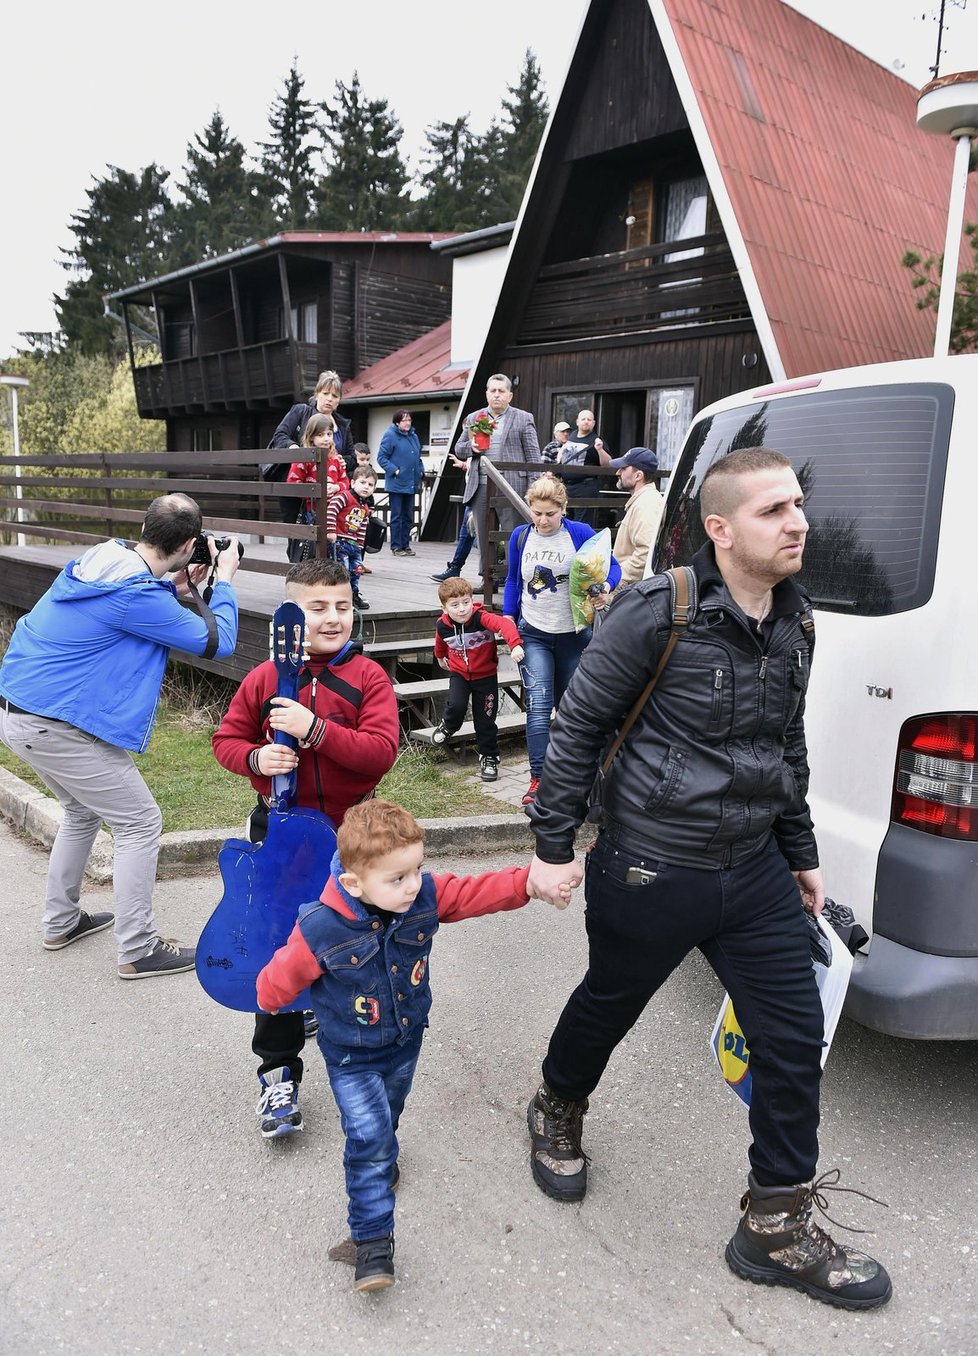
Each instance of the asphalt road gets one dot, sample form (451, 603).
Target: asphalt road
(141, 1212)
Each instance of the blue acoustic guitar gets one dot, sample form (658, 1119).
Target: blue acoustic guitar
(266, 883)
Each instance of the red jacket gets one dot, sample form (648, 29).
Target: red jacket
(304, 473)
(294, 966)
(351, 747)
(471, 646)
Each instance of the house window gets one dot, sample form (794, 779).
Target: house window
(567, 405)
(685, 214)
(684, 218)
(304, 323)
(206, 440)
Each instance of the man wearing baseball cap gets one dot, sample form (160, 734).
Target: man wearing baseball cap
(637, 529)
(561, 430)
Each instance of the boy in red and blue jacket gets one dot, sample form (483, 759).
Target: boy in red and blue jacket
(465, 645)
(346, 723)
(363, 948)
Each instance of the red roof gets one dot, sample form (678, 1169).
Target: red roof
(821, 178)
(420, 368)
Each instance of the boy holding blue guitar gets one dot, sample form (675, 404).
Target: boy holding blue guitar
(344, 717)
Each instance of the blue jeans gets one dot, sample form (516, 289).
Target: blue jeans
(370, 1095)
(747, 921)
(549, 662)
(464, 542)
(401, 520)
(349, 555)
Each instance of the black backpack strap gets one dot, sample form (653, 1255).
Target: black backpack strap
(682, 588)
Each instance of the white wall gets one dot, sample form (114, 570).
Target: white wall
(476, 282)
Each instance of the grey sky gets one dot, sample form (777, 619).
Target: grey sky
(114, 85)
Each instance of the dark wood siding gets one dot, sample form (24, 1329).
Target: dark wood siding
(343, 356)
(714, 364)
(627, 94)
(391, 311)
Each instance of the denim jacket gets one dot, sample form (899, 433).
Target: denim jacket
(375, 989)
(369, 984)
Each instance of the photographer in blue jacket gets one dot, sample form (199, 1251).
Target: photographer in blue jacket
(79, 687)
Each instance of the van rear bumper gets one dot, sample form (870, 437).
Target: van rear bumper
(908, 993)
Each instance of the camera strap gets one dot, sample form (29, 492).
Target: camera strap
(213, 640)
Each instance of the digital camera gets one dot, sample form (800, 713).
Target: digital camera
(202, 555)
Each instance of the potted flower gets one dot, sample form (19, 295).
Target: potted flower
(481, 430)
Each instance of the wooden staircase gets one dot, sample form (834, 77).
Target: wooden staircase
(421, 688)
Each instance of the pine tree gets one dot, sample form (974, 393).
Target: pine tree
(223, 206)
(287, 160)
(122, 238)
(927, 283)
(365, 177)
(459, 178)
(526, 118)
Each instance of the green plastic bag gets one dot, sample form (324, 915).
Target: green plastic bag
(588, 574)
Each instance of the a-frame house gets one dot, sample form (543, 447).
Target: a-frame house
(722, 197)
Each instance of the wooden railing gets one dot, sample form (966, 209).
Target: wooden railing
(111, 500)
(635, 291)
(254, 372)
(500, 489)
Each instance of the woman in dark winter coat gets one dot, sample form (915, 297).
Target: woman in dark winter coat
(325, 398)
(399, 457)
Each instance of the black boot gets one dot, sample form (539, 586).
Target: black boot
(778, 1243)
(453, 572)
(375, 1264)
(360, 603)
(558, 1162)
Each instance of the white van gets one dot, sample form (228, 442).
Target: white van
(887, 457)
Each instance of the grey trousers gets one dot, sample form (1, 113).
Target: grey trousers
(508, 517)
(95, 783)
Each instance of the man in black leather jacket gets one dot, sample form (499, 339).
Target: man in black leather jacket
(707, 843)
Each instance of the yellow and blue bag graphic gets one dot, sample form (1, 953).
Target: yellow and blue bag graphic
(728, 1042)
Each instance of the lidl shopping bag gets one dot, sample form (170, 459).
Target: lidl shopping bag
(730, 1050)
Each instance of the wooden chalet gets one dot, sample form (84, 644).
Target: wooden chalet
(722, 197)
(244, 336)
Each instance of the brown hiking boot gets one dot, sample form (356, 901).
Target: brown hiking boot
(558, 1162)
(778, 1243)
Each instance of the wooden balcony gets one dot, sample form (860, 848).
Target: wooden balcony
(635, 291)
(252, 377)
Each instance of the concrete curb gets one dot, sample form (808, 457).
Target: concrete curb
(40, 816)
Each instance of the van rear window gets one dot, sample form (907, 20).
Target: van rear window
(871, 464)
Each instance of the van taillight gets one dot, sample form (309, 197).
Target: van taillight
(936, 784)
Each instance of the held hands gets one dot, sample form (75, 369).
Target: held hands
(602, 599)
(553, 883)
(812, 890)
(290, 717)
(517, 652)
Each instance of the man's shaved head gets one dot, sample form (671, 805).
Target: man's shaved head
(722, 491)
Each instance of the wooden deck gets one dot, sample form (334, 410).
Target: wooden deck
(402, 596)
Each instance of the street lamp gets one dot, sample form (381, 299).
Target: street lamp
(949, 107)
(15, 383)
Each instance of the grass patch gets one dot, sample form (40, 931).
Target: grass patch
(421, 781)
(194, 792)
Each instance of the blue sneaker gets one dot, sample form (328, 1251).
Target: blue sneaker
(278, 1108)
